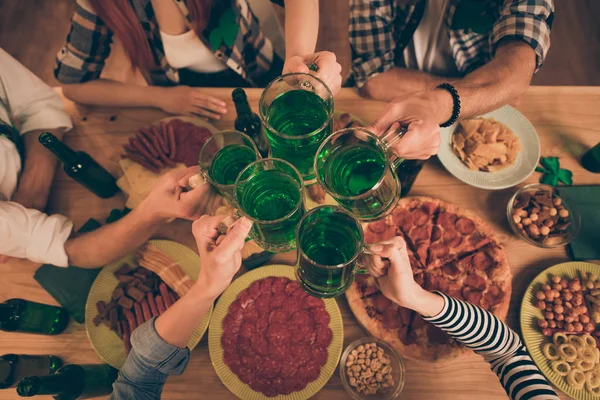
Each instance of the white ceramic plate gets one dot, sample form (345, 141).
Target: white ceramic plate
(524, 165)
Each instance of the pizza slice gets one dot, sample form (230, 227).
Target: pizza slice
(455, 234)
(414, 218)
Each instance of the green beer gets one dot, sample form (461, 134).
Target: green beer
(229, 161)
(329, 242)
(297, 111)
(354, 170)
(269, 192)
(71, 382)
(17, 315)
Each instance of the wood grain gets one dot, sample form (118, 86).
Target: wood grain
(566, 119)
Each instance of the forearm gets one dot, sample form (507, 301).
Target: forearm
(178, 323)
(397, 82)
(38, 171)
(113, 241)
(301, 27)
(500, 346)
(103, 92)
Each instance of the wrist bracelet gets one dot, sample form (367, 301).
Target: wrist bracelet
(455, 106)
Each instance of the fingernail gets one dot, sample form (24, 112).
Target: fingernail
(376, 247)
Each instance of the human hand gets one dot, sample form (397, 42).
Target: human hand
(30, 198)
(416, 111)
(192, 101)
(169, 198)
(4, 259)
(221, 255)
(329, 69)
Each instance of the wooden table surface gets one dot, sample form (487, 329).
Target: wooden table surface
(567, 120)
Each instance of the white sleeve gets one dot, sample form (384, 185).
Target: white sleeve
(32, 103)
(31, 234)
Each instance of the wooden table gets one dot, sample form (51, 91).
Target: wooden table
(567, 120)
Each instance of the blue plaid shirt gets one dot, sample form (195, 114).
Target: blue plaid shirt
(378, 30)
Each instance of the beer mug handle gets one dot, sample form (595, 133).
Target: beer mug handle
(361, 266)
(391, 137)
(228, 223)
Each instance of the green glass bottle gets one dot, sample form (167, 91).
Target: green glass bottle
(248, 122)
(71, 382)
(81, 167)
(591, 159)
(407, 174)
(14, 367)
(17, 315)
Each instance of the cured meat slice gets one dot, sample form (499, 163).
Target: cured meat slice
(260, 344)
(277, 300)
(436, 233)
(268, 368)
(266, 284)
(402, 218)
(438, 251)
(472, 295)
(321, 316)
(309, 372)
(251, 315)
(320, 355)
(232, 323)
(279, 335)
(245, 299)
(288, 368)
(465, 226)
(261, 384)
(324, 336)
(278, 317)
(302, 318)
(378, 227)
(247, 330)
(451, 270)
(254, 290)
(452, 238)
(381, 302)
(390, 232)
(419, 234)
(281, 353)
(446, 220)
(372, 237)
(305, 334)
(229, 340)
(313, 302)
(482, 261)
(291, 305)
(476, 281)
(301, 352)
(279, 284)
(291, 287)
(263, 303)
(494, 296)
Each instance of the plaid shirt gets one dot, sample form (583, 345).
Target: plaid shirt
(82, 58)
(376, 31)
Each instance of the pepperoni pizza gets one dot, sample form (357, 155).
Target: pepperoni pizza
(276, 336)
(450, 250)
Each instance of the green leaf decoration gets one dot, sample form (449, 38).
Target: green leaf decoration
(549, 179)
(565, 176)
(226, 32)
(550, 163)
(552, 173)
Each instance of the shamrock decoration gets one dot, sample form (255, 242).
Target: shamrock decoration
(472, 15)
(553, 173)
(226, 32)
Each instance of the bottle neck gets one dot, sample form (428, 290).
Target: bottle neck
(60, 150)
(39, 385)
(242, 107)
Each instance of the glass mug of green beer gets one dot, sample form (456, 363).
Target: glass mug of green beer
(269, 192)
(223, 157)
(358, 169)
(330, 246)
(297, 111)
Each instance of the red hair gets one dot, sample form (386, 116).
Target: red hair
(120, 17)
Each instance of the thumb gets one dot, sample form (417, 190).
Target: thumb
(236, 237)
(391, 113)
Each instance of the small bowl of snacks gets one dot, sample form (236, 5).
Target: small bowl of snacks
(372, 369)
(543, 216)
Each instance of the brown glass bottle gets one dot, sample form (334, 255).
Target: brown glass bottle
(407, 173)
(249, 122)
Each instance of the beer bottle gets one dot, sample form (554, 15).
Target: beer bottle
(71, 382)
(407, 173)
(591, 159)
(81, 167)
(17, 315)
(14, 367)
(248, 122)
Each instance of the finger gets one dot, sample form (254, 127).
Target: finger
(200, 95)
(393, 112)
(203, 112)
(179, 173)
(236, 237)
(192, 200)
(302, 68)
(205, 231)
(189, 172)
(210, 106)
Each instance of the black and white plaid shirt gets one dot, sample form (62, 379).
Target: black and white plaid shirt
(381, 29)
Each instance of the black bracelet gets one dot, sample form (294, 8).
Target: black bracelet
(456, 103)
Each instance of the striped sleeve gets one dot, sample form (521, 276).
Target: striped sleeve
(499, 345)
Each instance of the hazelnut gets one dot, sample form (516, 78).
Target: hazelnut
(534, 230)
(545, 231)
(578, 326)
(540, 295)
(557, 201)
(559, 309)
(534, 217)
(564, 213)
(569, 328)
(526, 221)
(553, 211)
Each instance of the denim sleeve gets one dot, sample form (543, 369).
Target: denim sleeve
(148, 364)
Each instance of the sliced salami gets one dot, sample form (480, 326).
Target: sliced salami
(263, 303)
(302, 318)
(277, 299)
(452, 238)
(465, 226)
(268, 368)
(251, 315)
(288, 368)
(262, 324)
(320, 355)
(278, 317)
(304, 335)
(446, 220)
(279, 335)
(419, 234)
(229, 341)
(291, 287)
(247, 330)
(301, 352)
(482, 261)
(266, 284)
(279, 284)
(378, 227)
(324, 336)
(291, 305)
(254, 290)
(321, 316)
(419, 217)
(260, 344)
(309, 372)
(436, 233)
(401, 217)
(314, 302)
(232, 323)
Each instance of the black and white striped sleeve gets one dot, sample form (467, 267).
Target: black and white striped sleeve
(499, 345)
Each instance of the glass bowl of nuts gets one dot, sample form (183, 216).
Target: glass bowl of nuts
(543, 216)
(372, 369)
